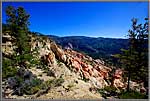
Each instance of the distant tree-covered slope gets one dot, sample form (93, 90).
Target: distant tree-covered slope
(94, 47)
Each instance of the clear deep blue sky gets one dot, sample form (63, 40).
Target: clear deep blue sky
(95, 19)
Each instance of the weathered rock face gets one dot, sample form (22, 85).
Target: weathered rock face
(88, 67)
(117, 79)
(51, 58)
(58, 52)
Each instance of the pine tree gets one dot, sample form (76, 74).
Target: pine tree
(17, 20)
(135, 58)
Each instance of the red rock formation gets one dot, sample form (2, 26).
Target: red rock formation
(91, 72)
(76, 65)
(104, 74)
(86, 74)
(118, 74)
(79, 55)
(81, 63)
(117, 79)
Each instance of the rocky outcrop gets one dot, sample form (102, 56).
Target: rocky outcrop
(58, 52)
(82, 64)
(50, 58)
(88, 67)
(117, 79)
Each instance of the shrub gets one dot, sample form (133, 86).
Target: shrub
(33, 87)
(36, 81)
(132, 95)
(8, 69)
(102, 92)
(70, 86)
(51, 83)
(58, 82)
(108, 91)
(50, 73)
(19, 80)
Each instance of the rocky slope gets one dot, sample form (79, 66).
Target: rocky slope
(72, 75)
(95, 47)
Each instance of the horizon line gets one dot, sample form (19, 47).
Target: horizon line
(84, 36)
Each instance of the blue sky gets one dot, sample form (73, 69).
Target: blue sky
(94, 19)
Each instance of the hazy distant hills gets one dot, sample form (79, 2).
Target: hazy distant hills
(96, 47)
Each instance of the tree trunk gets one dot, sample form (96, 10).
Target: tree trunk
(128, 86)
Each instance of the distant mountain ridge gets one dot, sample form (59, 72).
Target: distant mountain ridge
(96, 47)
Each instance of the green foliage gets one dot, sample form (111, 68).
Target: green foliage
(5, 28)
(101, 91)
(8, 69)
(19, 80)
(111, 91)
(17, 22)
(31, 90)
(50, 73)
(33, 87)
(36, 81)
(70, 86)
(38, 85)
(132, 95)
(108, 91)
(58, 82)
